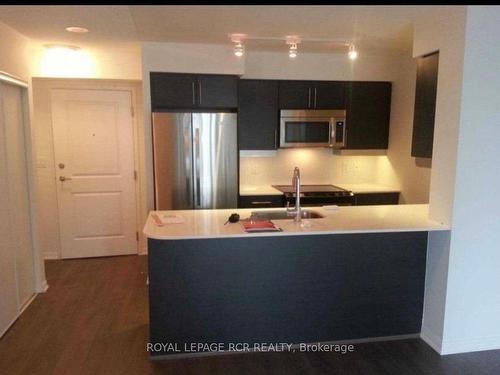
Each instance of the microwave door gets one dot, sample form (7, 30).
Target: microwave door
(305, 132)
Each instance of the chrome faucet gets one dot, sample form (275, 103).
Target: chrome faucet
(296, 187)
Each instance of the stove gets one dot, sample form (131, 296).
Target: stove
(318, 195)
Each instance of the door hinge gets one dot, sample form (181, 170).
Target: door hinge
(135, 175)
(137, 236)
(132, 111)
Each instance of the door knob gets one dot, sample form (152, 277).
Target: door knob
(62, 178)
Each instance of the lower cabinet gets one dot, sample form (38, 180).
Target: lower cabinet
(366, 199)
(261, 201)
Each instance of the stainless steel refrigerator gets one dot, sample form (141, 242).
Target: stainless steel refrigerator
(195, 160)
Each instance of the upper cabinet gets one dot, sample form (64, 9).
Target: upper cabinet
(258, 114)
(425, 106)
(193, 91)
(311, 95)
(368, 106)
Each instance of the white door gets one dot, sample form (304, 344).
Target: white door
(94, 161)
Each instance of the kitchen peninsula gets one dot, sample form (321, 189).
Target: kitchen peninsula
(356, 273)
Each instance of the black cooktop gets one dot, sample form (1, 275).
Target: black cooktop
(314, 190)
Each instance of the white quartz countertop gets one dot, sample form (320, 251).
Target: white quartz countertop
(200, 224)
(368, 188)
(259, 190)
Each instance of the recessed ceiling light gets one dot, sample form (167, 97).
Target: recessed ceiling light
(77, 29)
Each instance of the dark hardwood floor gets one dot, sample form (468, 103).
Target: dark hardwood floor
(94, 320)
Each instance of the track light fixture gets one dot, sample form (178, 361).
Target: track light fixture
(238, 49)
(292, 41)
(353, 54)
(292, 51)
(237, 39)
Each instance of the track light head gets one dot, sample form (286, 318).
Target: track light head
(353, 54)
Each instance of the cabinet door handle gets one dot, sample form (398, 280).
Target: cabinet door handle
(192, 89)
(275, 138)
(309, 100)
(315, 97)
(199, 90)
(261, 202)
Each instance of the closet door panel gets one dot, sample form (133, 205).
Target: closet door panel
(18, 187)
(8, 290)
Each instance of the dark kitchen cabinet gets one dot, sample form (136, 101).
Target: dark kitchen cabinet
(365, 199)
(295, 95)
(368, 106)
(425, 106)
(193, 91)
(261, 201)
(172, 90)
(311, 95)
(258, 116)
(217, 91)
(329, 95)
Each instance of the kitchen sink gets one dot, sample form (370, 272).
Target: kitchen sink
(283, 215)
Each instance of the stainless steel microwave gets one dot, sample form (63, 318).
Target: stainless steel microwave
(312, 128)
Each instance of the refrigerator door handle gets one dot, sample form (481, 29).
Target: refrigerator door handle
(197, 182)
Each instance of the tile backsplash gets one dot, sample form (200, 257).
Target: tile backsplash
(317, 166)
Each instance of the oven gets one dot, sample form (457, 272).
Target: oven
(312, 128)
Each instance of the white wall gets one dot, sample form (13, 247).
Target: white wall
(15, 52)
(443, 30)
(121, 61)
(472, 318)
(462, 299)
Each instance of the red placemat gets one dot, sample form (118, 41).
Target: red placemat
(252, 226)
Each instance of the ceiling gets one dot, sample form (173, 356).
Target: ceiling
(387, 28)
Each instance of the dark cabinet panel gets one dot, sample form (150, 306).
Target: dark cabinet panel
(365, 199)
(425, 106)
(368, 107)
(311, 95)
(329, 95)
(172, 90)
(193, 91)
(295, 94)
(261, 201)
(258, 114)
(217, 91)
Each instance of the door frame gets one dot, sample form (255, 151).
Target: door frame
(134, 87)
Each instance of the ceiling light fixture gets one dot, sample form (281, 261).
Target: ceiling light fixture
(238, 49)
(292, 51)
(238, 46)
(353, 54)
(292, 42)
(77, 29)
